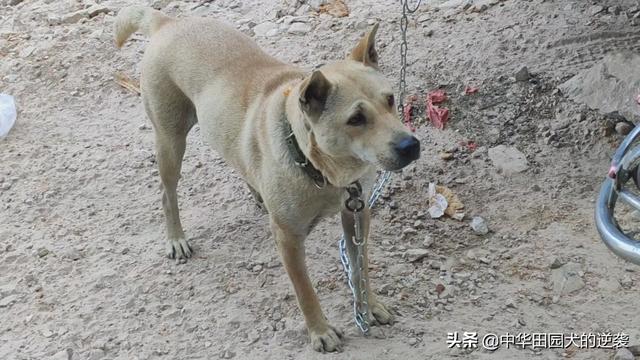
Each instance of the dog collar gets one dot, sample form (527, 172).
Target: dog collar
(319, 180)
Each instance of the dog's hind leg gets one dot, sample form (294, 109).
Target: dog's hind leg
(172, 119)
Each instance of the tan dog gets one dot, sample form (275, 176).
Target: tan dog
(253, 109)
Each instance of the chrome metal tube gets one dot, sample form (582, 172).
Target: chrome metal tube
(623, 246)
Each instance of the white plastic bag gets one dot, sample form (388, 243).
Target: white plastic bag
(7, 114)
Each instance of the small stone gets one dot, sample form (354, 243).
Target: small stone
(97, 9)
(418, 224)
(623, 354)
(208, 344)
(508, 159)
(567, 279)
(62, 355)
(523, 74)
(74, 17)
(414, 255)
(42, 252)
(446, 156)
(7, 301)
(265, 28)
(623, 128)
(428, 241)
(595, 10)
(299, 28)
(257, 268)
(412, 341)
(556, 263)
(409, 231)
(14, 2)
(228, 354)
(479, 225)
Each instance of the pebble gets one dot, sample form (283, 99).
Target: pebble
(412, 341)
(74, 17)
(508, 159)
(595, 10)
(479, 225)
(97, 9)
(446, 156)
(414, 255)
(42, 252)
(299, 28)
(265, 29)
(623, 354)
(8, 301)
(567, 279)
(62, 355)
(522, 74)
(428, 241)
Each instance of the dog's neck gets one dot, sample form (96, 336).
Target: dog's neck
(339, 171)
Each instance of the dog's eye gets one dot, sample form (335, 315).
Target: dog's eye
(390, 100)
(357, 119)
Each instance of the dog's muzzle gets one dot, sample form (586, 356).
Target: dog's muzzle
(407, 149)
(624, 167)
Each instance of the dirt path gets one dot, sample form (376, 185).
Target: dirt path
(81, 229)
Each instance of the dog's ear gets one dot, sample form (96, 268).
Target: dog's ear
(314, 93)
(365, 52)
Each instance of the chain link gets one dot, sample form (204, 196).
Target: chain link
(360, 298)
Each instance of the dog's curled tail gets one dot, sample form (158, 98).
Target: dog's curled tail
(133, 18)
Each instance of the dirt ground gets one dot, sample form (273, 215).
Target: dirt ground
(82, 269)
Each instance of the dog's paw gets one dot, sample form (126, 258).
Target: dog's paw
(382, 315)
(328, 340)
(178, 249)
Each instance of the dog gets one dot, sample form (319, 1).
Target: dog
(298, 139)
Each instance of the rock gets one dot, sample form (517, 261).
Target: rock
(299, 28)
(610, 85)
(400, 269)
(595, 10)
(428, 241)
(265, 29)
(14, 2)
(479, 226)
(523, 74)
(508, 159)
(228, 354)
(63, 355)
(7, 301)
(414, 255)
(97, 9)
(567, 279)
(446, 156)
(74, 17)
(623, 128)
(42, 252)
(623, 354)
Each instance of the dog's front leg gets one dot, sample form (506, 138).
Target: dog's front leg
(324, 337)
(378, 312)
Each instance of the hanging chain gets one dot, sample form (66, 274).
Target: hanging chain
(355, 204)
(404, 24)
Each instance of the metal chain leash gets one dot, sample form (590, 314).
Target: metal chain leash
(355, 203)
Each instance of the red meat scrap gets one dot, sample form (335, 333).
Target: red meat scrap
(437, 115)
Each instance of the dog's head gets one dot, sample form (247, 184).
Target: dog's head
(350, 110)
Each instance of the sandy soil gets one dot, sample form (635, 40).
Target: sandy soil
(82, 271)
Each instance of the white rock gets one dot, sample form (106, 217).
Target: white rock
(567, 279)
(508, 159)
(74, 17)
(97, 9)
(299, 28)
(479, 226)
(414, 255)
(264, 28)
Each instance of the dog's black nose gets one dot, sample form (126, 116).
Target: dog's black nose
(408, 148)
